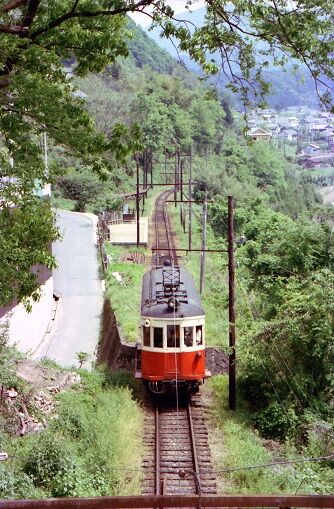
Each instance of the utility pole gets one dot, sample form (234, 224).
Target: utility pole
(203, 253)
(175, 179)
(137, 203)
(190, 200)
(183, 210)
(151, 168)
(165, 163)
(231, 305)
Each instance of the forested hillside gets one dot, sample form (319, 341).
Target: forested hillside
(293, 87)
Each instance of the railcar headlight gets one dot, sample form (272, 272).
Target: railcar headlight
(172, 303)
(147, 322)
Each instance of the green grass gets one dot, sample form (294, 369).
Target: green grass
(322, 172)
(235, 444)
(92, 448)
(125, 296)
(58, 202)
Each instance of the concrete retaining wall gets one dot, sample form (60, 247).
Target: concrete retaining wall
(27, 330)
(118, 354)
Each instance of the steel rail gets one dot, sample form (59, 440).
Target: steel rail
(194, 452)
(157, 452)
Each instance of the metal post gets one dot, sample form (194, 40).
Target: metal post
(231, 306)
(181, 180)
(151, 168)
(190, 200)
(137, 203)
(203, 253)
(175, 178)
(165, 167)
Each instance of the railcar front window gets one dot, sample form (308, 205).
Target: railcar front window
(188, 336)
(158, 337)
(173, 336)
(199, 335)
(147, 336)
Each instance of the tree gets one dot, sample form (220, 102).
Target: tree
(246, 37)
(82, 358)
(287, 367)
(36, 96)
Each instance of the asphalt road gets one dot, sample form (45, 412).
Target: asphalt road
(76, 281)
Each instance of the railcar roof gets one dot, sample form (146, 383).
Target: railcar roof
(156, 292)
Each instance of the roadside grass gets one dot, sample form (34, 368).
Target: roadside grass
(58, 202)
(125, 296)
(91, 448)
(237, 450)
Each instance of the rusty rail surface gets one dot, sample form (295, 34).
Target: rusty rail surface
(156, 501)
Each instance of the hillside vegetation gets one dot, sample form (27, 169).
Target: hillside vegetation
(288, 255)
(285, 269)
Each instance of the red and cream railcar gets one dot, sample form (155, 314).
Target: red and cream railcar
(172, 331)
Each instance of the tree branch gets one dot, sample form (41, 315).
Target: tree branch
(89, 14)
(23, 31)
(13, 5)
(31, 12)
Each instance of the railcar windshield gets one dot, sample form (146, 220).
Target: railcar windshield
(188, 336)
(199, 335)
(173, 336)
(158, 337)
(147, 336)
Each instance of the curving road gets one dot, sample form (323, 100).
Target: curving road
(77, 283)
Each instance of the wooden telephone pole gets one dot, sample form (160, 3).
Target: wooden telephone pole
(231, 305)
(137, 203)
(203, 253)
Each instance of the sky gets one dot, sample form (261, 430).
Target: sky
(177, 5)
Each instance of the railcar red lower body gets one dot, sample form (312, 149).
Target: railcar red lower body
(166, 366)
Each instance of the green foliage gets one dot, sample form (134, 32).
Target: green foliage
(144, 52)
(8, 356)
(88, 189)
(125, 295)
(14, 485)
(246, 449)
(24, 245)
(39, 97)
(82, 358)
(92, 448)
(288, 366)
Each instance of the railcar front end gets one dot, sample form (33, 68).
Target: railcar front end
(172, 332)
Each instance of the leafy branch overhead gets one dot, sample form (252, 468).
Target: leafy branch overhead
(239, 37)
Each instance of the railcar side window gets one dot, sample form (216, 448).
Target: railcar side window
(199, 335)
(188, 336)
(146, 336)
(173, 336)
(158, 337)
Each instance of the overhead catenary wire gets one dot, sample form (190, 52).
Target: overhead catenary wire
(328, 457)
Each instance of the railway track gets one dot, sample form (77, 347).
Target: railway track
(164, 241)
(178, 459)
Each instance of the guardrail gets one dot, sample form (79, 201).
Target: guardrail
(159, 501)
